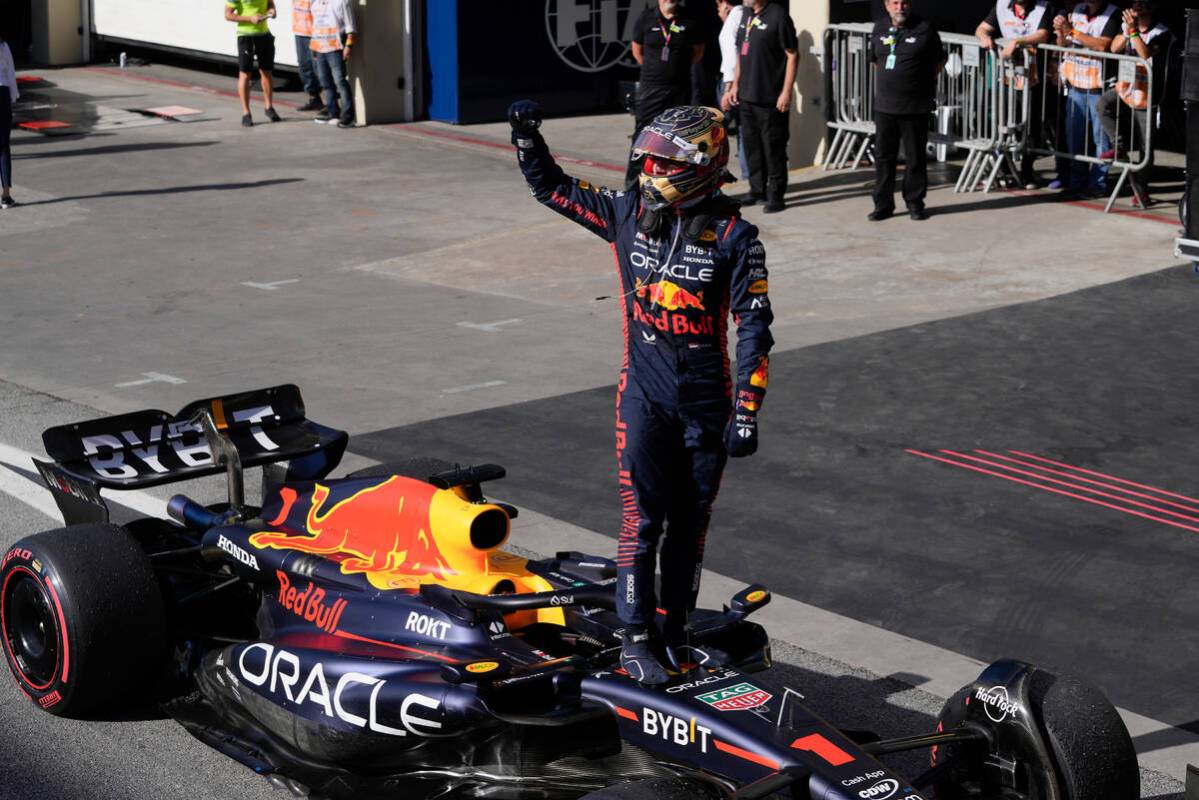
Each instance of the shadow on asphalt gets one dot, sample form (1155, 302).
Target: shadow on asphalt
(113, 149)
(208, 187)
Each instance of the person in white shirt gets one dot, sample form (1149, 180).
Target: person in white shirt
(332, 39)
(732, 15)
(8, 96)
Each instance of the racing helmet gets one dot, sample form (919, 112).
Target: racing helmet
(683, 152)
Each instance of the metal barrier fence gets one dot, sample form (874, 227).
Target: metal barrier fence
(1003, 111)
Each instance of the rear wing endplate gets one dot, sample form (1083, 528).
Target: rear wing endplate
(149, 448)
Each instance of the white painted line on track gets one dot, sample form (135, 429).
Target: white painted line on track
(151, 377)
(271, 286)
(37, 496)
(489, 327)
(473, 386)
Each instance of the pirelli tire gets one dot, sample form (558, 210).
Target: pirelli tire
(655, 789)
(82, 622)
(1092, 753)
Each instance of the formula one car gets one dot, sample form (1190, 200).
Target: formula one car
(366, 636)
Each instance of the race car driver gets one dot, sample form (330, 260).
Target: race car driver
(686, 260)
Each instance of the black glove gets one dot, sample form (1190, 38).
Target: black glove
(741, 434)
(524, 116)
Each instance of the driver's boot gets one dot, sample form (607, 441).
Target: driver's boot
(637, 658)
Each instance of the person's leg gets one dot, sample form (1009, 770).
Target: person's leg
(1100, 141)
(1076, 137)
(325, 75)
(264, 48)
(245, 63)
(5, 144)
(777, 134)
(1140, 179)
(307, 72)
(345, 97)
(752, 130)
(1107, 109)
(914, 130)
(268, 89)
(886, 153)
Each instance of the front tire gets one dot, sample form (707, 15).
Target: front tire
(82, 623)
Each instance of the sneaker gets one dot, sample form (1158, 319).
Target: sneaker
(246, 122)
(314, 104)
(323, 118)
(637, 658)
(7, 202)
(917, 214)
(273, 115)
(880, 214)
(1107, 155)
(1056, 184)
(749, 200)
(773, 206)
(345, 123)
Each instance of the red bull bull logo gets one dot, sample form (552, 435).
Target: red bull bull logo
(669, 295)
(761, 375)
(382, 528)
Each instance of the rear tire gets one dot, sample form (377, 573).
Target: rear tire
(82, 623)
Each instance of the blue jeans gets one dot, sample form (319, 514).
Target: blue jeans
(740, 139)
(5, 133)
(1082, 111)
(307, 73)
(331, 69)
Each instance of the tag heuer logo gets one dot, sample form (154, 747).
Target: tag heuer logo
(741, 697)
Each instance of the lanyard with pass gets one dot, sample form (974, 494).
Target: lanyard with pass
(749, 26)
(666, 34)
(892, 40)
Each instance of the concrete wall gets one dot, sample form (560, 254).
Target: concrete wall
(56, 38)
(808, 128)
(377, 63)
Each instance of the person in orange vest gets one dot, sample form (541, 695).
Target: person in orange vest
(332, 39)
(1142, 36)
(301, 28)
(254, 41)
(1090, 26)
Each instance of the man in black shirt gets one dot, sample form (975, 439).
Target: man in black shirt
(665, 43)
(909, 55)
(769, 57)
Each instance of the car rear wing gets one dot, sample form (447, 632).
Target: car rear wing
(149, 448)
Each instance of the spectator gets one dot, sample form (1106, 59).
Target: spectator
(332, 39)
(732, 15)
(254, 41)
(1022, 24)
(665, 43)
(705, 73)
(762, 86)
(8, 96)
(301, 27)
(1142, 36)
(1090, 26)
(909, 55)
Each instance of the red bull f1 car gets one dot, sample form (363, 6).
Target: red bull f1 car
(368, 636)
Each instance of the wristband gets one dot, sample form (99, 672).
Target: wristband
(349, 40)
(1134, 35)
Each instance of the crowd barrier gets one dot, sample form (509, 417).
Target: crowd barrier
(999, 109)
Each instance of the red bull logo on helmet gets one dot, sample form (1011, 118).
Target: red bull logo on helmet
(669, 295)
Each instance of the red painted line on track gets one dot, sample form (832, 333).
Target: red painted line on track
(114, 73)
(1088, 480)
(1051, 489)
(1096, 206)
(1138, 503)
(409, 127)
(1104, 475)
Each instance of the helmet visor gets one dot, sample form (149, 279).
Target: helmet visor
(655, 143)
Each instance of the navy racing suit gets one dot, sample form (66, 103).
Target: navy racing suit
(679, 282)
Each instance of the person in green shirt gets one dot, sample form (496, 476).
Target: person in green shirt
(254, 40)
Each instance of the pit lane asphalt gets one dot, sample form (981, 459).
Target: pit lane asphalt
(427, 285)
